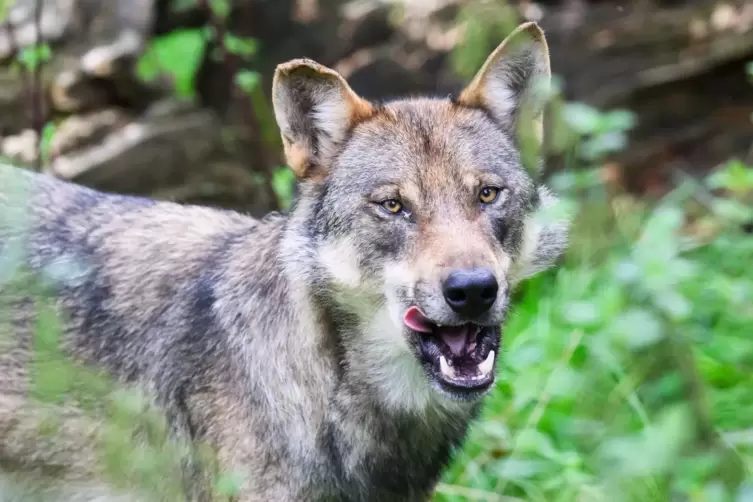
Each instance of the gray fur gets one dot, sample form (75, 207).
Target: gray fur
(279, 341)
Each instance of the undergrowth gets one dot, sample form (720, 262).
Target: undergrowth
(627, 371)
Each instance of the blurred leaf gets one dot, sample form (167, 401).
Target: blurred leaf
(735, 176)
(638, 328)
(496, 431)
(181, 5)
(733, 210)
(247, 80)
(618, 120)
(654, 451)
(34, 56)
(229, 485)
(48, 132)
(745, 492)
(581, 314)
(283, 182)
(605, 143)
(582, 118)
(531, 441)
(627, 271)
(244, 47)
(221, 8)
(675, 305)
(177, 54)
(516, 469)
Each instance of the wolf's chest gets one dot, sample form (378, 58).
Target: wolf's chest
(390, 458)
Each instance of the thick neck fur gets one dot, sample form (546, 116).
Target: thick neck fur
(385, 426)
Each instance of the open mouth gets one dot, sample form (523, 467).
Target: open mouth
(461, 357)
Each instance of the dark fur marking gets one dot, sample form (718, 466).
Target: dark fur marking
(317, 223)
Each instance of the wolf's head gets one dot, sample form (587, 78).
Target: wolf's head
(419, 217)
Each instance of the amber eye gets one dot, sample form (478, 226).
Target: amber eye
(488, 194)
(393, 206)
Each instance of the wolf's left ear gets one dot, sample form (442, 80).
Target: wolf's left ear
(503, 84)
(314, 107)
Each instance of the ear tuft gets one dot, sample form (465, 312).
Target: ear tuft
(545, 237)
(504, 83)
(314, 108)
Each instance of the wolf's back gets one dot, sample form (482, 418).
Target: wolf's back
(131, 274)
(134, 284)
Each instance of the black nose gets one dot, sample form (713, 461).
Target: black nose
(470, 292)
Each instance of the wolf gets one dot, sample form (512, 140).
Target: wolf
(337, 352)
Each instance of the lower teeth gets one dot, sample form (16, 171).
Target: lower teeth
(484, 369)
(444, 366)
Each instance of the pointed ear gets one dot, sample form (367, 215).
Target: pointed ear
(503, 84)
(314, 108)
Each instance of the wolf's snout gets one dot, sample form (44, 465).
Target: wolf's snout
(470, 292)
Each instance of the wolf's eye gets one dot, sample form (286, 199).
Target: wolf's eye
(488, 194)
(393, 206)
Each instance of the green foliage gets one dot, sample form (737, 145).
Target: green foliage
(283, 181)
(221, 8)
(177, 55)
(240, 46)
(599, 133)
(485, 24)
(247, 81)
(626, 373)
(33, 57)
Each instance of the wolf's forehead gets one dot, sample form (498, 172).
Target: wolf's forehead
(423, 140)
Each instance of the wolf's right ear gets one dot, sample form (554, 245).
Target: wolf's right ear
(314, 107)
(504, 83)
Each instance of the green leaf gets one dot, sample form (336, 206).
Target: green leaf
(674, 304)
(582, 118)
(34, 56)
(532, 441)
(581, 314)
(283, 182)
(247, 80)
(618, 120)
(735, 176)
(638, 328)
(228, 485)
(654, 451)
(178, 55)
(732, 210)
(518, 469)
(605, 143)
(244, 47)
(745, 492)
(221, 8)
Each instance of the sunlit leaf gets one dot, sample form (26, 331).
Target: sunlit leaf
(638, 328)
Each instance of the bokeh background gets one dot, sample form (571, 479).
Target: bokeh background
(628, 370)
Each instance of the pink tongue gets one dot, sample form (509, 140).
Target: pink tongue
(455, 337)
(416, 321)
